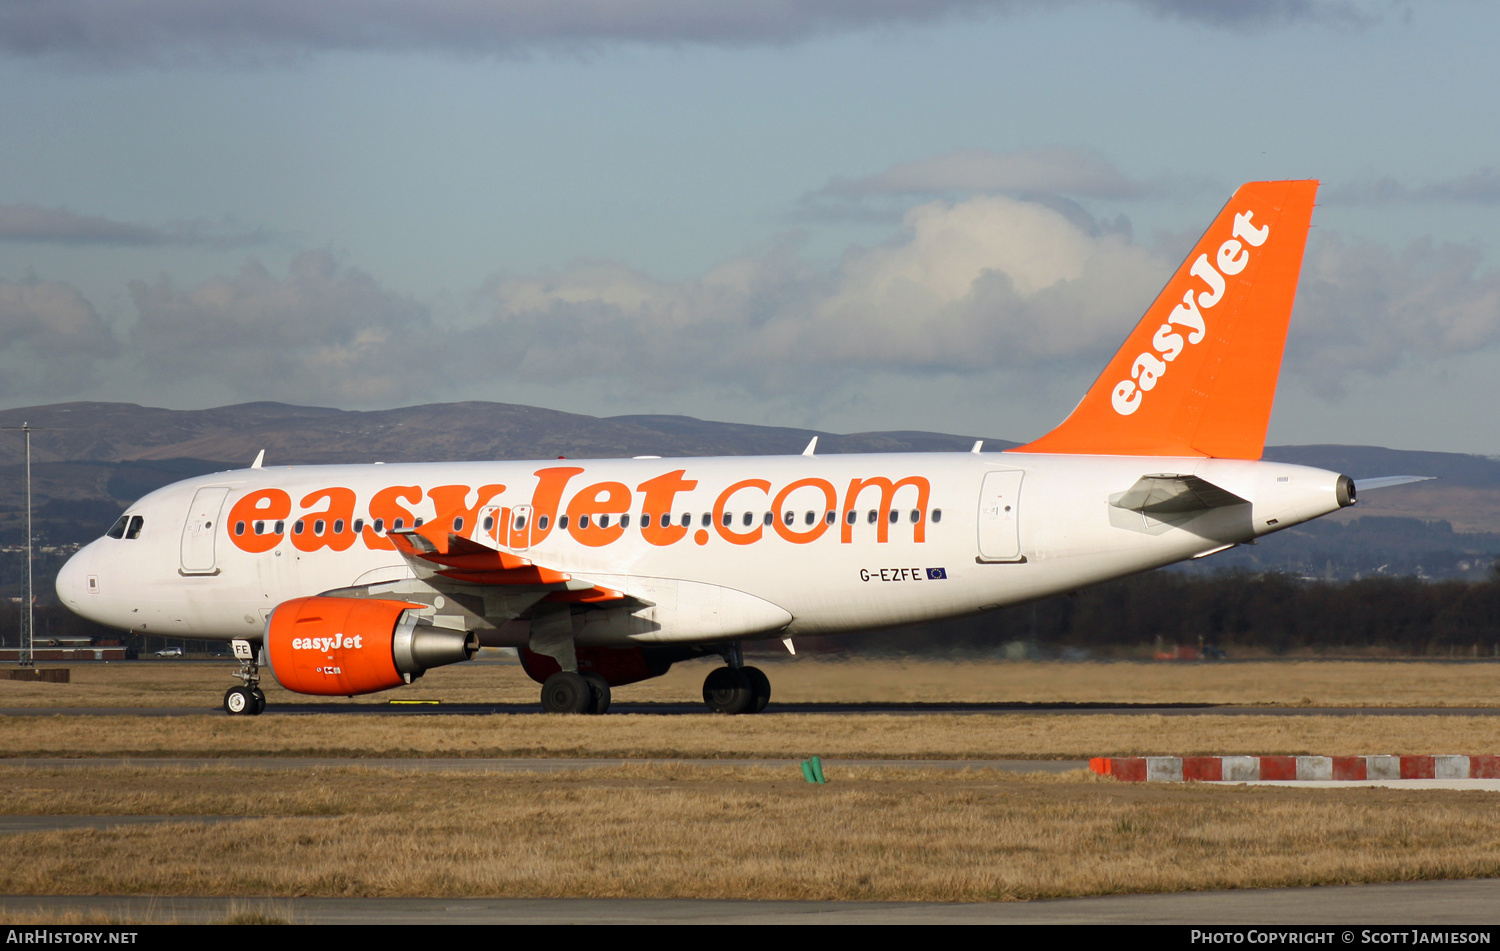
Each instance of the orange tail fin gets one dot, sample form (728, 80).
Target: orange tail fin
(1198, 374)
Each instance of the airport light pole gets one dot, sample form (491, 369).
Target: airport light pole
(28, 641)
(25, 653)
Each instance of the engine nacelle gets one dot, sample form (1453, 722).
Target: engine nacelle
(341, 647)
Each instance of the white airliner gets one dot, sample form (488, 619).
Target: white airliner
(350, 579)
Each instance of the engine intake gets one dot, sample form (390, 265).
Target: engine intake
(343, 647)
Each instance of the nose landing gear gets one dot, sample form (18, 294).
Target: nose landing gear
(246, 700)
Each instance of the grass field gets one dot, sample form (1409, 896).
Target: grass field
(806, 679)
(663, 829)
(637, 736)
(750, 832)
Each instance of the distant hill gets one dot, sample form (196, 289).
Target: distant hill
(92, 459)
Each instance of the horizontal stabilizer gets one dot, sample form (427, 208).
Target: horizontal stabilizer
(1386, 481)
(1169, 494)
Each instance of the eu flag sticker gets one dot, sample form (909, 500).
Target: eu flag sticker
(937, 574)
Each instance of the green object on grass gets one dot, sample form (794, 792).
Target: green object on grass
(807, 772)
(812, 771)
(817, 769)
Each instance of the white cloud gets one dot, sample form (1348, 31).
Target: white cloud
(31, 224)
(1058, 171)
(1479, 187)
(1365, 308)
(324, 333)
(989, 283)
(51, 338)
(127, 32)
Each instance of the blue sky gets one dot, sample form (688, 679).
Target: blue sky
(846, 216)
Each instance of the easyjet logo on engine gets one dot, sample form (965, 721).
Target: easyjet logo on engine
(336, 642)
(1148, 368)
(594, 515)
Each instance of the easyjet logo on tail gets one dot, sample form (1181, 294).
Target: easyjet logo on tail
(1151, 365)
(1215, 333)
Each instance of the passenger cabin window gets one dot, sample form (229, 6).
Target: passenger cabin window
(338, 526)
(604, 521)
(937, 515)
(562, 522)
(489, 523)
(417, 523)
(379, 526)
(458, 524)
(398, 524)
(687, 519)
(849, 516)
(916, 516)
(809, 518)
(707, 520)
(789, 516)
(297, 527)
(830, 517)
(359, 525)
(542, 522)
(645, 520)
(239, 528)
(280, 527)
(894, 517)
(625, 520)
(749, 517)
(318, 527)
(260, 528)
(728, 519)
(872, 516)
(134, 531)
(583, 521)
(117, 530)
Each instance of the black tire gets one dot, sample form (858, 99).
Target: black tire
(760, 688)
(727, 690)
(599, 690)
(239, 702)
(567, 692)
(260, 701)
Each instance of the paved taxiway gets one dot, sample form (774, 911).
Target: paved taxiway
(1470, 902)
(680, 709)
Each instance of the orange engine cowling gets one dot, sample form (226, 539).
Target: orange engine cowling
(341, 647)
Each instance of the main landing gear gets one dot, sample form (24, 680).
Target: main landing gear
(570, 691)
(246, 700)
(735, 688)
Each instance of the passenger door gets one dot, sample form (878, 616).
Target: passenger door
(200, 530)
(1000, 516)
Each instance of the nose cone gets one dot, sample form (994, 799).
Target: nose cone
(73, 580)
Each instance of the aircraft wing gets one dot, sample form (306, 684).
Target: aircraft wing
(1170, 494)
(458, 559)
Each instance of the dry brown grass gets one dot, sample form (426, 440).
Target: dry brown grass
(929, 736)
(807, 679)
(683, 831)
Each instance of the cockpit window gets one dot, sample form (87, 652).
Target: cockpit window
(134, 531)
(117, 530)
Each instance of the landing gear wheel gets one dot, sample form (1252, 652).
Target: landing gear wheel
(599, 690)
(239, 702)
(727, 690)
(260, 701)
(760, 688)
(567, 692)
